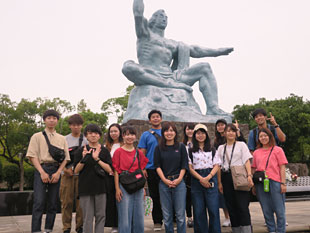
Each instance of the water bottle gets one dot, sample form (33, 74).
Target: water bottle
(266, 184)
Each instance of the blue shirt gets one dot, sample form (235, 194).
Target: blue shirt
(252, 144)
(148, 141)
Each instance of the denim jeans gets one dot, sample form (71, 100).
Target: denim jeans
(202, 199)
(131, 212)
(43, 193)
(272, 202)
(173, 199)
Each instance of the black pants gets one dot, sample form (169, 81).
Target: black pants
(188, 178)
(153, 182)
(237, 202)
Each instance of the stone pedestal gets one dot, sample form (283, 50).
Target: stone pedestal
(175, 105)
(142, 126)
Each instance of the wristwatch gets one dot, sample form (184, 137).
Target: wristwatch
(276, 126)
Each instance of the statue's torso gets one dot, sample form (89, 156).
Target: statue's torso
(156, 52)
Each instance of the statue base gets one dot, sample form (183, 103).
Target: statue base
(175, 105)
(141, 126)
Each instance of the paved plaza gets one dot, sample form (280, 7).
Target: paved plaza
(298, 218)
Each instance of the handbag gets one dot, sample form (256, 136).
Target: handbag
(238, 172)
(56, 153)
(240, 178)
(259, 176)
(134, 181)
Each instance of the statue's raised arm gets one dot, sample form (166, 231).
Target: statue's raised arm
(198, 51)
(141, 23)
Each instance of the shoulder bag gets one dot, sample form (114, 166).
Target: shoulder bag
(134, 181)
(238, 172)
(56, 153)
(259, 176)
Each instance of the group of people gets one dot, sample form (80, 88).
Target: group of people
(195, 174)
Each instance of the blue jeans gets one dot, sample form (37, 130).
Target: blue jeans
(173, 199)
(41, 193)
(272, 202)
(131, 212)
(203, 199)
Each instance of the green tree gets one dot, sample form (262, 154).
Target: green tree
(19, 121)
(293, 115)
(117, 105)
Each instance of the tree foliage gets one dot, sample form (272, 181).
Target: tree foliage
(117, 105)
(20, 120)
(293, 115)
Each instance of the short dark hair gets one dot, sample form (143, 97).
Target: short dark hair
(92, 128)
(165, 127)
(185, 137)
(259, 111)
(272, 141)
(153, 112)
(129, 130)
(50, 112)
(75, 119)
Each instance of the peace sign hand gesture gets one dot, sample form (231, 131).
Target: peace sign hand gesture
(85, 151)
(272, 119)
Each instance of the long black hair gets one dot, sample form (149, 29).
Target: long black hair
(219, 139)
(163, 141)
(185, 137)
(207, 143)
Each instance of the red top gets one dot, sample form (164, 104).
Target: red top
(277, 158)
(122, 160)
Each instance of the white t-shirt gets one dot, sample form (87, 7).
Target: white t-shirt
(241, 154)
(114, 147)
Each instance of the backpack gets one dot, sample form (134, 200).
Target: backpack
(273, 131)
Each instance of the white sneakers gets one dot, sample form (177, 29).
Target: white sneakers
(226, 223)
(114, 230)
(157, 227)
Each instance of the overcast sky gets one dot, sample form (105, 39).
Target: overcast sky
(75, 49)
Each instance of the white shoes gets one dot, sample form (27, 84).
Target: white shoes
(226, 223)
(157, 227)
(114, 230)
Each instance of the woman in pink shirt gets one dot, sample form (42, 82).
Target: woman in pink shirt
(271, 159)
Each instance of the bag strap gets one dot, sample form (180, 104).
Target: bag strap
(134, 159)
(81, 139)
(231, 156)
(155, 135)
(268, 158)
(46, 138)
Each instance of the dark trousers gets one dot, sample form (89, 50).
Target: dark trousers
(42, 194)
(237, 202)
(153, 185)
(188, 178)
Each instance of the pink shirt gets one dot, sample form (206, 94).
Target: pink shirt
(277, 158)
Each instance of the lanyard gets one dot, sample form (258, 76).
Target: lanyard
(231, 156)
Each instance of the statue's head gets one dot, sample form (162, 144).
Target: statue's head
(159, 19)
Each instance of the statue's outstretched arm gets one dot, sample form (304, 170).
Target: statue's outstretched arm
(198, 51)
(140, 22)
